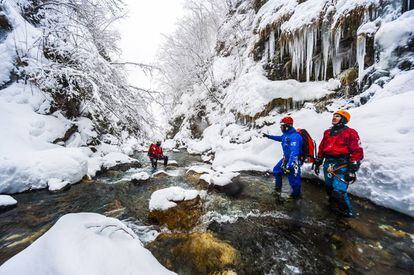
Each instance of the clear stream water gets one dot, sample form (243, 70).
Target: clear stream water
(273, 235)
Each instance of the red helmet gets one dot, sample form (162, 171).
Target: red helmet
(287, 120)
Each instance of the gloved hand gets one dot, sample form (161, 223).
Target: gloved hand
(265, 135)
(286, 170)
(317, 164)
(354, 166)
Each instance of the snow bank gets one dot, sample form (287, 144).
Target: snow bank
(393, 34)
(6, 200)
(57, 184)
(252, 91)
(164, 198)
(28, 159)
(140, 176)
(85, 243)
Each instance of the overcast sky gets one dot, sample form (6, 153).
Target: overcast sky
(142, 30)
(141, 35)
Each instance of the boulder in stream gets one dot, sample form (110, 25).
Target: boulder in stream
(195, 253)
(176, 208)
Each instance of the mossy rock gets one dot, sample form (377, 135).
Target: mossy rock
(193, 178)
(195, 253)
(348, 76)
(184, 216)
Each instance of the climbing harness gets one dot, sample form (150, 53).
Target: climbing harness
(331, 173)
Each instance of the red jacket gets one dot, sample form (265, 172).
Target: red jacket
(346, 143)
(155, 151)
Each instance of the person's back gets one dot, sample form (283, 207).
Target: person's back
(155, 153)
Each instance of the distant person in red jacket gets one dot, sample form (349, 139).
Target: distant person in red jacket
(155, 153)
(341, 154)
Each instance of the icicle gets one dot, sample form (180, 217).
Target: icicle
(272, 45)
(309, 52)
(326, 38)
(317, 68)
(337, 39)
(361, 41)
(266, 55)
(336, 65)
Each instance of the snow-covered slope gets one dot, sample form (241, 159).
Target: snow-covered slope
(85, 243)
(65, 111)
(361, 53)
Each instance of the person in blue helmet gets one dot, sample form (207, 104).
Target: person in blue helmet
(290, 163)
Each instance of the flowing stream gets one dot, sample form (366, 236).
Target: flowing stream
(273, 235)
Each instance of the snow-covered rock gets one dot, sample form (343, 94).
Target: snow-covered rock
(57, 184)
(164, 199)
(140, 176)
(85, 243)
(7, 201)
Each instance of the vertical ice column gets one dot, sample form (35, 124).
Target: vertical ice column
(272, 45)
(361, 41)
(309, 51)
(326, 39)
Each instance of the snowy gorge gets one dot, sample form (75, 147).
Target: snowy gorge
(307, 59)
(226, 76)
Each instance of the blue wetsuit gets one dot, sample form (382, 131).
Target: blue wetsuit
(292, 148)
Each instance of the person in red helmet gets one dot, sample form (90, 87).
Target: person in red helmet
(340, 153)
(290, 163)
(155, 153)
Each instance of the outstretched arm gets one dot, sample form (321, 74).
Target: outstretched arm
(277, 138)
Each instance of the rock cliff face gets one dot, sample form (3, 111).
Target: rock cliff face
(312, 40)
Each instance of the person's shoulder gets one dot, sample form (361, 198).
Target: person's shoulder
(351, 130)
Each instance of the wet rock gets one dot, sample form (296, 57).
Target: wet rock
(365, 229)
(184, 216)
(195, 253)
(161, 174)
(125, 166)
(118, 169)
(396, 232)
(270, 244)
(114, 209)
(233, 189)
(194, 178)
(365, 258)
(67, 135)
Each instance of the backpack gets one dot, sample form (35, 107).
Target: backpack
(308, 147)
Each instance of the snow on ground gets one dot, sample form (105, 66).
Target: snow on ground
(163, 199)
(85, 243)
(252, 91)
(57, 184)
(6, 200)
(28, 158)
(132, 174)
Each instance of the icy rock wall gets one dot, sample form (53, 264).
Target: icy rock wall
(317, 39)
